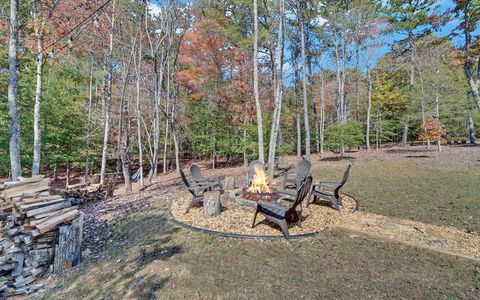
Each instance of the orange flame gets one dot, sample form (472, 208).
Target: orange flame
(259, 182)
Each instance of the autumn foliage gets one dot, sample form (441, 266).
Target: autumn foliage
(432, 130)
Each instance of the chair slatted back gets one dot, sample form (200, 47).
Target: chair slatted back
(302, 192)
(184, 179)
(303, 171)
(344, 180)
(197, 173)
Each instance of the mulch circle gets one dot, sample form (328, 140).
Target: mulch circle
(235, 219)
(240, 236)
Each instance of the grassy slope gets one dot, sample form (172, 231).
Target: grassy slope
(171, 263)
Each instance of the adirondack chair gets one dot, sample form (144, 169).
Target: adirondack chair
(303, 170)
(197, 191)
(136, 176)
(319, 190)
(213, 182)
(251, 170)
(283, 215)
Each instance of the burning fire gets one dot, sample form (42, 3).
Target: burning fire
(259, 182)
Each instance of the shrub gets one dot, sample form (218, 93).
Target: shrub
(344, 135)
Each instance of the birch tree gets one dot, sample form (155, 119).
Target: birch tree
(261, 151)
(468, 13)
(15, 165)
(89, 121)
(278, 92)
(42, 12)
(304, 82)
(108, 105)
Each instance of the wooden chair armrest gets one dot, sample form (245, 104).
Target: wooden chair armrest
(287, 193)
(199, 185)
(272, 205)
(327, 183)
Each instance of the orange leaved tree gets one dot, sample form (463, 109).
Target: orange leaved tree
(433, 130)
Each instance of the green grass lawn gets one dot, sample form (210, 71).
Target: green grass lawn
(403, 189)
(162, 262)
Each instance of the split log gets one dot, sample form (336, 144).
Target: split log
(23, 181)
(55, 220)
(211, 204)
(68, 252)
(30, 200)
(57, 206)
(33, 188)
(37, 205)
(19, 258)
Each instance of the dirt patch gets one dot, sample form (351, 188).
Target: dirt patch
(443, 238)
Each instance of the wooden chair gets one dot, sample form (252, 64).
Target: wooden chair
(283, 215)
(197, 191)
(302, 171)
(333, 198)
(213, 182)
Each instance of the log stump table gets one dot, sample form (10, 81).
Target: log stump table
(229, 183)
(211, 204)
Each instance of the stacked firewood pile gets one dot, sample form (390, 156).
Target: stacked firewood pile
(86, 193)
(30, 218)
(83, 193)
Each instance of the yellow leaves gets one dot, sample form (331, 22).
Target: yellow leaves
(29, 26)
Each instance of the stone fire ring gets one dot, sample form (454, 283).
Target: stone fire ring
(240, 236)
(236, 195)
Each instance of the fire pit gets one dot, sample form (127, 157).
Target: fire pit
(258, 190)
(254, 196)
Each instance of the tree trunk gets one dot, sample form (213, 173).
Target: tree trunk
(124, 132)
(471, 130)
(37, 131)
(165, 140)
(377, 133)
(304, 86)
(344, 79)
(261, 151)
(108, 105)
(278, 96)
(297, 116)
(474, 83)
(172, 129)
(12, 92)
(437, 112)
(339, 82)
(322, 116)
(369, 108)
(156, 139)
(405, 131)
(411, 86)
(139, 115)
(357, 80)
(315, 112)
(89, 120)
(68, 251)
(67, 179)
